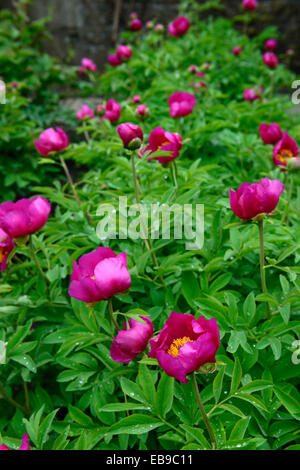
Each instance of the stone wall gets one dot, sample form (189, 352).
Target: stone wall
(84, 27)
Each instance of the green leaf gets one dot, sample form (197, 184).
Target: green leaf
(239, 429)
(236, 376)
(135, 424)
(79, 416)
(196, 434)
(111, 407)
(256, 385)
(218, 383)
(285, 312)
(26, 361)
(132, 390)
(289, 402)
(146, 383)
(45, 428)
(190, 287)
(164, 396)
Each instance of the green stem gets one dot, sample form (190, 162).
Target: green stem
(26, 396)
(138, 200)
(285, 216)
(69, 178)
(10, 400)
(37, 263)
(173, 171)
(262, 264)
(203, 412)
(111, 313)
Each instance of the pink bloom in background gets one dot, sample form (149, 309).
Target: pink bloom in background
(237, 50)
(149, 24)
(88, 64)
(179, 26)
(85, 113)
(51, 140)
(129, 343)
(136, 99)
(193, 68)
(285, 150)
(131, 135)
(135, 25)
(270, 133)
(14, 84)
(250, 200)
(6, 247)
(100, 110)
(133, 15)
(124, 52)
(290, 52)
(142, 111)
(181, 104)
(206, 65)
(271, 45)
(160, 139)
(24, 445)
(159, 28)
(112, 111)
(200, 85)
(114, 60)
(24, 217)
(270, 60)
(249, 4)
(200, 74)
(99, 275)
(253, 94)
(185, 344)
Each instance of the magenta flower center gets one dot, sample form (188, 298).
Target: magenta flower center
(177, 344)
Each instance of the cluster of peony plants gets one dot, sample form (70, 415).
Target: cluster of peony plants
(120, 343)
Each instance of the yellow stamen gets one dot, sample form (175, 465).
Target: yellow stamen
(3, 253)
(164, 143)
(177, 344)
(284, 155)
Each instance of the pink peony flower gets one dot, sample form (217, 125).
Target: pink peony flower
(149, 24)
(251, 200)
(133, 15)
(24, 445)
(124, 52)
(185, 344)
(85, 113)
(179, 26)
(100, 110)
(285, 150)
(253, 94)
(160, 139)
(129, 343)
(88, 64)
(271, 60)
(200, 74)
(270, 133)
(290, 52)
(249, 4)
(51, 141)
(271, 45)
(200, 85)
(237, 50)
(114, 60)
(131, 135)
(15, 84)
(6, 247)
(136, 99)
(142, 111)
(99, 275)
(193, 68)
(24, 217)
(206, 66)
(181, 104)
(112, 111)
(135, 25)
(159, 28)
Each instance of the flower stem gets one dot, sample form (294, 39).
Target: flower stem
(37, 263)
(173, 171)
(138, 200)
(111, 313)
(285, 217)
(10, 400)
(262, 264)
(71, 183)
(203, 412)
